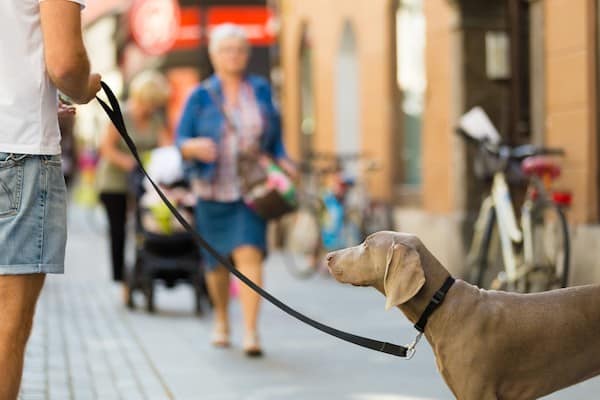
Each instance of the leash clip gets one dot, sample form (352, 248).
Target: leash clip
(412, 348)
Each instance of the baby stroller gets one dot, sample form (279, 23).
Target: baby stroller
(164, 250)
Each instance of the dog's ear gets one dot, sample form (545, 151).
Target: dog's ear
(404, 276)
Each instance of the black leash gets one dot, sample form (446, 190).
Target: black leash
(116, 116)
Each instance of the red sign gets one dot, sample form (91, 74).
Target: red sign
(190, 31)
(155, 25)
(257, 21)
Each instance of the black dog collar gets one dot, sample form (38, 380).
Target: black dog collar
(435, 302)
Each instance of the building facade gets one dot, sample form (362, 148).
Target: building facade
(353, 82)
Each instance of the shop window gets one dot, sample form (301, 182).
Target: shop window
(411, 78)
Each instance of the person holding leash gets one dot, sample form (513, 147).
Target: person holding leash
(42, 50)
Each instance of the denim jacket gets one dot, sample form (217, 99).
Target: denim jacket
(202, 117)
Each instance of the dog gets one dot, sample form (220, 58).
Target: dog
(489, 345)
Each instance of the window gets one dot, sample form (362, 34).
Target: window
(347, 97)
(411, 76)
(307, 102)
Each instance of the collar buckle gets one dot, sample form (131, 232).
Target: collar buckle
(438, 297)
(434, 303)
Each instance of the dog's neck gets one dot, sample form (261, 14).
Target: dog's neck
(435, 275)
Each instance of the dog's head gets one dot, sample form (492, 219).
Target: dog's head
(385, 259)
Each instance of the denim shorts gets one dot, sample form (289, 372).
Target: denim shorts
(33, 214)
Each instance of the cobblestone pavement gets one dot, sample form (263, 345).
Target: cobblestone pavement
(85, 345)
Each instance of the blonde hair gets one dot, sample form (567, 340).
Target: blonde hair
(150, 87)
(226, 31)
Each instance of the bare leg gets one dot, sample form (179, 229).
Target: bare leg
(217, 283)
(248, 261)
(18, 297)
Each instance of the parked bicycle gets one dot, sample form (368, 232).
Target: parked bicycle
(335, 210)
(526, 255)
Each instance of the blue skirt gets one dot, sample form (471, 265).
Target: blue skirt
(228, 226)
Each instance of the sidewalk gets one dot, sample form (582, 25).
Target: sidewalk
(86, 345)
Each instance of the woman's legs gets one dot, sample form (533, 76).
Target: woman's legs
(116, 209)
(217, 283)
(248, 260)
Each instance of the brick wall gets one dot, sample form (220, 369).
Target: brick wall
(372, 26)
(571, 89)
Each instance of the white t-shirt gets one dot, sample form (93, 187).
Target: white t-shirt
(28, 99)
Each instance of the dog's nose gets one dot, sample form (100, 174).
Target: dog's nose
(330, 257)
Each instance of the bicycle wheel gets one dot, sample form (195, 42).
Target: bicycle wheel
(302, 244)
(551, 248)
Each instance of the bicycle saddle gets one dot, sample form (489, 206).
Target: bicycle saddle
(540, 166)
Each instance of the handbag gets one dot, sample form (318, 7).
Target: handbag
(265, 187)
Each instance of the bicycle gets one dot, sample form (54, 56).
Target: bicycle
(330, 216)
(535, 252)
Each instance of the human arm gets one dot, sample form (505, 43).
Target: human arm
(164, 137)
(191, 146)
(201, 149)
(65, 110)
(110, 151)
(66, 58)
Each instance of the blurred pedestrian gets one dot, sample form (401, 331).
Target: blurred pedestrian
(229, 113)
(42, 50)
(149, 92)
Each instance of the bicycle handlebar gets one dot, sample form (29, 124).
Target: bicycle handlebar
(325, 156)
(508, 152)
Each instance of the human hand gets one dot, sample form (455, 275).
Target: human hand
(93, 88)
(203, 149)
(65, 110)
(290, 169)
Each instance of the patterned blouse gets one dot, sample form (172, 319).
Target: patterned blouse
(241, 133)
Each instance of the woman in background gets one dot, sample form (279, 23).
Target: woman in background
(228, 113)
(149, 92)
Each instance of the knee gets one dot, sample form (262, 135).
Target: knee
(248, 256)
(15, 330)
(18, 298)
(15, 326)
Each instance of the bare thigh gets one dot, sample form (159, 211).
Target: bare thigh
(245, 255)
(18, 297)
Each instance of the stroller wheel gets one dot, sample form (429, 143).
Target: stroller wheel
(149, 292)
(129, 299)
(199, 312)
(130, 287)
(199, 291)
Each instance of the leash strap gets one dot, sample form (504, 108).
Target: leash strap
(435, 302)
(114, 113)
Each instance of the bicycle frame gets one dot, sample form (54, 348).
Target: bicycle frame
(526, 223)
(508, 230)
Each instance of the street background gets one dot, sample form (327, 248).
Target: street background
(387, 79)
(86, 345)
